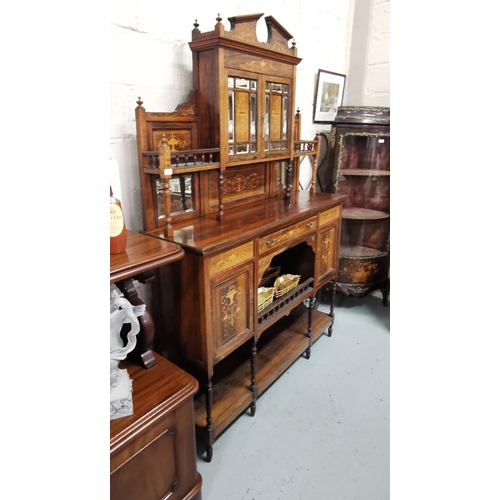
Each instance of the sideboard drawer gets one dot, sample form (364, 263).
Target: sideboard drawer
(230, 258)
(284, 236)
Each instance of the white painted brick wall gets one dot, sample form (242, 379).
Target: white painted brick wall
(379, 49)
(377, 82)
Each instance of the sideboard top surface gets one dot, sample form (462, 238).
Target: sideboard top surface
(242, 224)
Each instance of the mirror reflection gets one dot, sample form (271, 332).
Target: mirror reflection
(181, 194)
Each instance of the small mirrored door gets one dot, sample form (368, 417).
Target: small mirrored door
(181, 195)
(275, 129)
(242, 116)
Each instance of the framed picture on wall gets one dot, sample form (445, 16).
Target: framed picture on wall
(329, 95)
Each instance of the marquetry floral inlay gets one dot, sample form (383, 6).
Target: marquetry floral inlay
(279, 47)
(230, 259)
(188, 112)
(174, 142)
(230, 307)
(240, 183)
(259, 65)
(325, 252)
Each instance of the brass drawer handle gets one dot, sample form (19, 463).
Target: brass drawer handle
(309, 225)
(270, 243)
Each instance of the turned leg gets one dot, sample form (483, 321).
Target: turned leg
(288, 188)
(253, 386)
(332, 303)
(312, 305)
(209, 428)
(210, 452)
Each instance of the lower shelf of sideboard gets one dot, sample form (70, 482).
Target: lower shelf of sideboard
(278, 348)
(282, 344)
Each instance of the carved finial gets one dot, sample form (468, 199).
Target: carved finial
(218, 18)
(298, 112)
(293, 43)
(139, 102)
(196, 24)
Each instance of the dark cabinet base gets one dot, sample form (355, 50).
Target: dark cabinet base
(364, 290)
(360, 276)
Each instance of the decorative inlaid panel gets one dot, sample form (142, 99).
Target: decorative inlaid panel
(327, 240)
(246, 62)
(233, 257)
(275, 124)
(242, 116)
(239, 183)
(178, 140)
(231, 310)
(363, 271)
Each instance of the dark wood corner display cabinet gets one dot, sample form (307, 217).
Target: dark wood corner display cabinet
(219, 176)
(152, 451)
(357, 165)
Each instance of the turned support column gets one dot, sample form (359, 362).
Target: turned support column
(166, 175)
(289, 169)
(312, 306)
(209, 428)
(332, 302)
(220, 189)
(253, 385)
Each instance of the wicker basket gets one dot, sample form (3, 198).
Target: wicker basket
(266, 296)
(285, 283)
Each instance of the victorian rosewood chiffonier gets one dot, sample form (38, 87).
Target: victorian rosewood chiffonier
(220, 177)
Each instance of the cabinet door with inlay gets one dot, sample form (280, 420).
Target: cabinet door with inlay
(328, 246)
(231, 309)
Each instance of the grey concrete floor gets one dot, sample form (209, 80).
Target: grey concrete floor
(321, 431)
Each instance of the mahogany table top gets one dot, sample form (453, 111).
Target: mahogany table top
(143, 253)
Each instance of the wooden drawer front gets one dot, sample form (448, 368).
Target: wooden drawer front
(230, 258)
(329, 215)
(284, 236)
